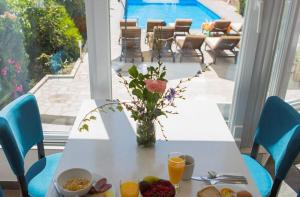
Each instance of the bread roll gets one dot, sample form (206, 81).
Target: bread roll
(209, 191)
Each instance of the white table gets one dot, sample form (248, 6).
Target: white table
(109, 148)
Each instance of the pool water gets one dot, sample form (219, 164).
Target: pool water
(144, 10)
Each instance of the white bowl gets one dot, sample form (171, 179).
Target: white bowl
(70, 174)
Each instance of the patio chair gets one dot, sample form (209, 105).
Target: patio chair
(218, 45)
(220, 26)
(161, 42)
(190, 46)
(20, 130)
(278, 131)
(126, 23)
(182, 26)
(150, 26)
(131, 43)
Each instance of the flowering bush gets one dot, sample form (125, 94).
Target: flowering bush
(48, 29)
(13, 58)
(150, 97)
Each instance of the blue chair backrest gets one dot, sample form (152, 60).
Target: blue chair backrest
(1, 193)
(278, 132)
(20, 129)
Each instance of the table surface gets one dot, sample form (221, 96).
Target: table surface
(109, 147)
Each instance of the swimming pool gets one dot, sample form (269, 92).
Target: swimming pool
(143, 10)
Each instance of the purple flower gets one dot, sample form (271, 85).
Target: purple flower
(4, 71)
(171, 94)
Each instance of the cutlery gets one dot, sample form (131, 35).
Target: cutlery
(223, 180)
(214, 175)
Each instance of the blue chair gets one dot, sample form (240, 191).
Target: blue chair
(20, 130)
(278, 132)
(1, 193)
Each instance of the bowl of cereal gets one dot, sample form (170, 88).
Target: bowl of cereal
(74, 182)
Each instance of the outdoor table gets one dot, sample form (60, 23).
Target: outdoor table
(109, 148)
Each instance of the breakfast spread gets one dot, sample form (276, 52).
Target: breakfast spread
(76, 184)
(153, 186)
(211, 191)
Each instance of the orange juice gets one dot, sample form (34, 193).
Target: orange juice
(176, 167)
(129, 189)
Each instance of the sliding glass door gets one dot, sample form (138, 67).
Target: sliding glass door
(285, 81)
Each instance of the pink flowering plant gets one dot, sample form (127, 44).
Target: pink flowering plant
(150, 99)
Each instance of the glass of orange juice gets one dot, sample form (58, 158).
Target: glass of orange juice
(176, 165)
(129, 189)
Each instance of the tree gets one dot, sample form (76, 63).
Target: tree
(242, 7)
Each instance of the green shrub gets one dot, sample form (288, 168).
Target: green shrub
(48, 29)
(242, 7)
(76, 9)
(13, 57)
(3, 6)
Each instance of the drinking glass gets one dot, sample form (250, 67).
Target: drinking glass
(129, 188)
(176, 165)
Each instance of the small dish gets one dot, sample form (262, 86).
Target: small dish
(73, 174)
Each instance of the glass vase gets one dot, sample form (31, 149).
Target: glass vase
(146, 134)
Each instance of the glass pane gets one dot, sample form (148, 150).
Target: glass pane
(42, 51)
(293, 91)
(192, 35)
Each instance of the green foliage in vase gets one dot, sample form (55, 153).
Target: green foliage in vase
(150, 97)
(148, 103)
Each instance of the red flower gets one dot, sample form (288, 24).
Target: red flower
(4, 71)
(19, 88)
(156, 86)
(18, 67)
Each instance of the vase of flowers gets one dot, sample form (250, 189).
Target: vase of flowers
(145, 133)
(150, 99)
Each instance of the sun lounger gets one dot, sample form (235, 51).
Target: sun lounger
(190, 46)
(150, 26)
(236, 27)
(182, 26)
(161, 42)
(127, 23)
(221, 26)
(130, 23)
(218, 45)
(131, 43)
